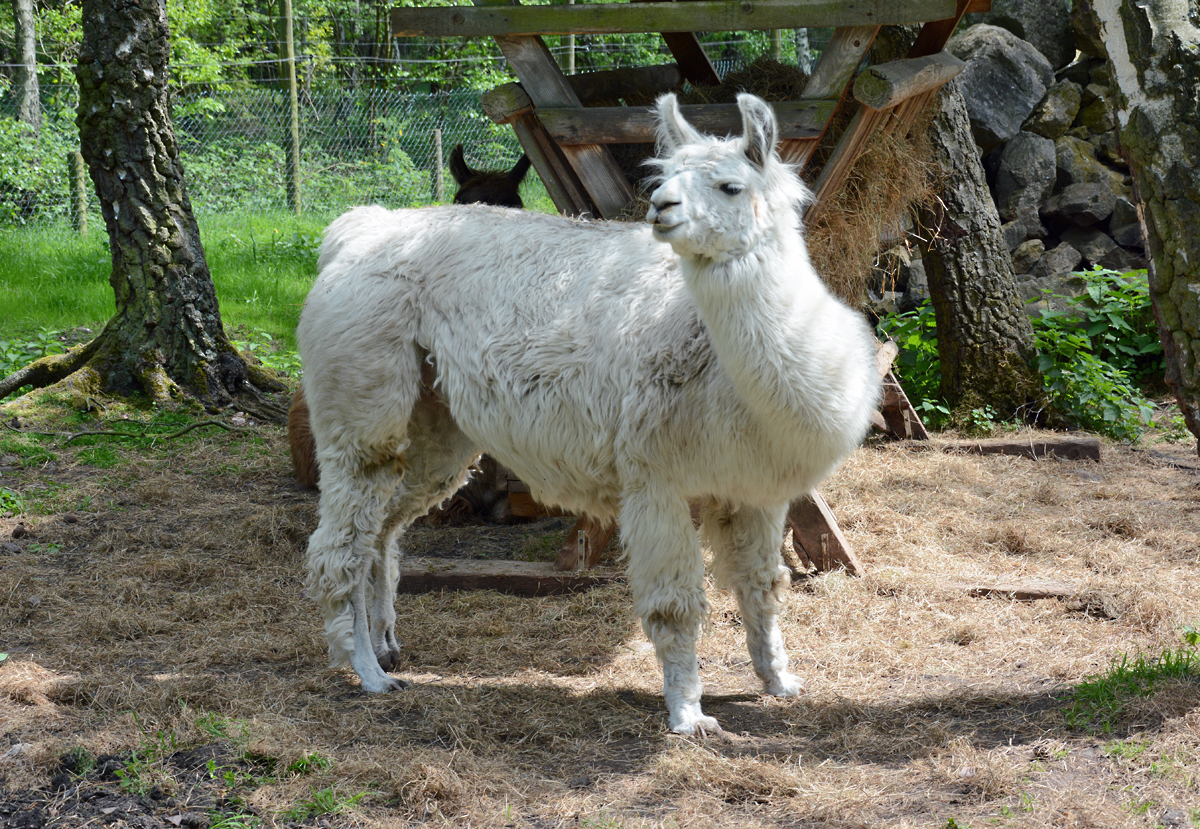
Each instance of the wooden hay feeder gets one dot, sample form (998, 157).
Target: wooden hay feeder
(569, 141)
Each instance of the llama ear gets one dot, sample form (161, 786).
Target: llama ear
(458, 166)
(673, 131)
(517, 174)
(759, 128)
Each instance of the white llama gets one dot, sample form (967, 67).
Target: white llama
(617, 375)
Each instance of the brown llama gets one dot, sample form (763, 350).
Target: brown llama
(494, 187)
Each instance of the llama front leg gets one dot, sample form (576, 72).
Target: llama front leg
(745, 544)
(385, 579)
(666, 574)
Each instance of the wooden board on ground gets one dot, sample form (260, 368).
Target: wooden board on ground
(522, 578)
(1025, 590)
(815, 531)
(1067, 449)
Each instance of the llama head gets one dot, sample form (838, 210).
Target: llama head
(502, 189)
(717, 198)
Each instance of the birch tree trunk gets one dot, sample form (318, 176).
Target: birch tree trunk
(166, 338)
(1154, 49)
(25, 78)
(985, 339)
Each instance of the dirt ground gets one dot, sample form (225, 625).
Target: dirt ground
(164, 668)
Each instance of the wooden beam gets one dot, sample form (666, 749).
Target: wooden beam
(593, 165)
(628, 125)
(830, 79)
(700, 15)
(885, 85)
(697, 68)
(523, 578)
(902, 419)
(815, 530)
(1069, 449)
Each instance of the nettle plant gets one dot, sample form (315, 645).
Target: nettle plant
(1097, 352)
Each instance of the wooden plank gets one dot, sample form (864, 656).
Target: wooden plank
(611, 84)
(1070, 449)
(627, 125)
(700, 15)
(830, 79)
(593, 165)
(885, 355)
(902, 419)
(1026, 590)
(815, 530)
(562, 184)
(697, 68)
(930, 40)
(884, 86)
(522, 578)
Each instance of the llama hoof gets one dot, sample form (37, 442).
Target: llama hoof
(699, 727)
(389, 660)
(787, 685)
(383, 683)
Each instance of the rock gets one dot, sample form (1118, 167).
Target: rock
(1098, 116)
(1044, 23)
(1076, 163)
(1080, 72)
(1056, 112)
(8, 548)
(1025, 176)
(1041, 293)
(1014, 234)
(1060, 261)
(1085, 26)
(1004, 80)
(1100, 72)
(1093, 244)
(1124, 225)
(1119, 259)
(1093, 92)
(916, 293)
(1108, 149)
(1027, 255)
(1082, 204)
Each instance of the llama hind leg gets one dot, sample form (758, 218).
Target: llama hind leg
(343, 552)
(436, 466)
(746, 559)
(666, 574)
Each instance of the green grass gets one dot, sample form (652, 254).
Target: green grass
(262, 265)
(1097, 703)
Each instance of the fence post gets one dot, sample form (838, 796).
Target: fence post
(439, 175)
(570, 48)
(77, 175)
(293, 156)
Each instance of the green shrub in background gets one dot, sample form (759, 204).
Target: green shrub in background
(33, 167)
(1097, 356)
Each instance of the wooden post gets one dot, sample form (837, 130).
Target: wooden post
(77, 175)
(289, 63)
(570, 48)
(439, 173)
(776, 44)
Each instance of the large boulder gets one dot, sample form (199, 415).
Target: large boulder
(1044, 23)
(1004, 80)
(1060, 261)
(1076, 163)
(1094, 245)
(1085, 26)
(1025, 176)
(1056, 112)
(1081, 204)
(1124, 224)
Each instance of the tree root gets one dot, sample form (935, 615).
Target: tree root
(49, 369)
(70, 436)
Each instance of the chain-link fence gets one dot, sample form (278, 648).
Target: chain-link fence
(357, 146)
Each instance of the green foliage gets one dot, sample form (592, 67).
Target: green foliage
(322, 802)
(1093, 354)
(33, 166)
(1096, 704)
(10, 503)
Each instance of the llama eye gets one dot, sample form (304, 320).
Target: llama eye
(731, 189)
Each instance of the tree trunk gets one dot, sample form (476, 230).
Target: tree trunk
(1154, 49)
(985, 340)
(166, 338)
(25, 78)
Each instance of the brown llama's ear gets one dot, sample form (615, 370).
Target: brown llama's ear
(517, 174)
(458, 166)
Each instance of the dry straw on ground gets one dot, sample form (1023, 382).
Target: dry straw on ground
(176, 598)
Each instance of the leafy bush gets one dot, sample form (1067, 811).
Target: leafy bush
(33, 168)
(17, 353)
(1095, 355)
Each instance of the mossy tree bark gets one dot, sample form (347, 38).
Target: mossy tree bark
(166, 338)
(985, 340)
(1154, 49)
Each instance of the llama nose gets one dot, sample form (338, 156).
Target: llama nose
(660, 203)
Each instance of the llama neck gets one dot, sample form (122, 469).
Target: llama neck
(778, 333)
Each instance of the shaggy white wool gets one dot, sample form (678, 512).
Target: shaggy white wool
(617, 369)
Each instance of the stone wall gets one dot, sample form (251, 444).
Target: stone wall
(1042, 117)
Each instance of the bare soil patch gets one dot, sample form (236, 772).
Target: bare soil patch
(165, 669)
